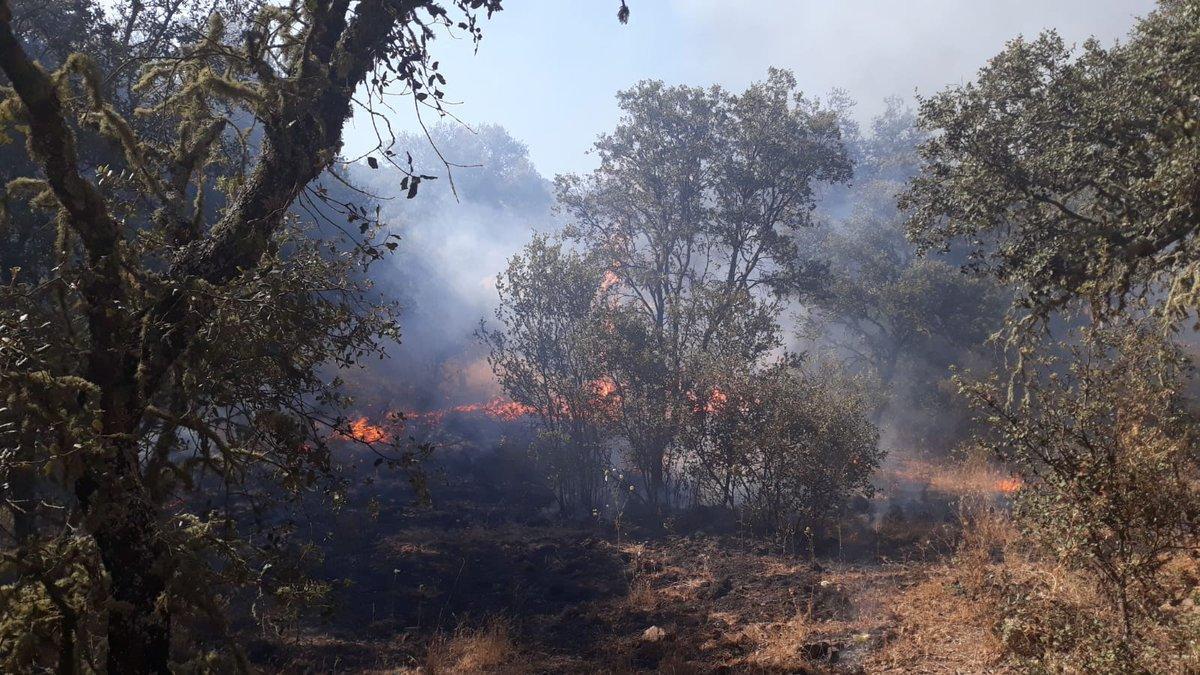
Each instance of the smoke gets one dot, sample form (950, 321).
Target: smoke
(878, 49)
(456, 236)
(547, 69)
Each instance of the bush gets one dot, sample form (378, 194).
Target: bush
(783, 447)
(1105, 440)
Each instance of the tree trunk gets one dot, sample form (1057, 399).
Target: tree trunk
(1126, 615)
(122, 521)
(657, 488)
(139, 635)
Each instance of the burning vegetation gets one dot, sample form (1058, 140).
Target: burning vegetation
(761, 391)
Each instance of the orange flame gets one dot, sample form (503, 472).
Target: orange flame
(607, 399)
(956, 479)
(604, 388)
(499, 408)
(1009, 485)
(363, 431)
(716, 401)
(610, 279)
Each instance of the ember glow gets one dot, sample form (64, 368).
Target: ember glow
(604, 388)
(610, 279)
(607, 399)
(714, 403)
(977, 479)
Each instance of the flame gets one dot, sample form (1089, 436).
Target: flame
(955, 479)
(610, 279)
(716, 401)
(427, 418)
(604, 388)
(363, 431)
(606, 398)
(499, 408)
(1010, 485)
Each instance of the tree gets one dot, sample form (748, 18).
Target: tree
(783, 446)
(692, 205)
(814, 447)
(1071, 175)
(52, 32)
(906, 319)
(148, 365)
(545, 350)
(884, 304)
(1107, 438)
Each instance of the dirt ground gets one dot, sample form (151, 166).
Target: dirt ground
(541, 599)
(486, 581)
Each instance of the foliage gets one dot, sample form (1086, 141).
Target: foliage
(901, 318)
(163, 354)
(1071, 175)
(546, 353)
(648, 328)
(1108, 442)
(692, 207)
(1068, 174)
(783, 447)
(891, 304)
(488, 168)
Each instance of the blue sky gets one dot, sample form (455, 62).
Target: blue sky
(547, 70)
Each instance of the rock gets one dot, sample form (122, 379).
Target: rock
(653, 634)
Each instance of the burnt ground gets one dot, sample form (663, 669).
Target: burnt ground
(409, 582)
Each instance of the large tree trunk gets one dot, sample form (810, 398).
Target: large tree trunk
(121, 518)
(139, 633)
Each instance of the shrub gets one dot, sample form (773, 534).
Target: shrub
(784, 447)
(1105, 439)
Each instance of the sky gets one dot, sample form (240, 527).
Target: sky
(547, 70)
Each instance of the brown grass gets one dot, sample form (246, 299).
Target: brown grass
(481, 650)
(1001, 606)
(641, 595)
(938, 631)
(972, 476)
(937, 626)
(778, 646)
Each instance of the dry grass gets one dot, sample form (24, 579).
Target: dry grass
(973, 476)
(736, 605)
(1053, 617)
(482, 650)
(999, 606)
(938, 630)
(936, 625)
(641, 595)
(779, 646)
